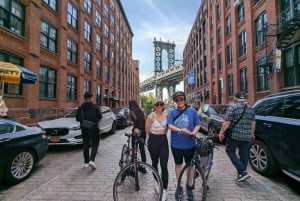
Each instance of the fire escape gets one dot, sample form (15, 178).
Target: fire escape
(288, 24)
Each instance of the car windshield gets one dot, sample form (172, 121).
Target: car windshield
(71, 114)
(116, 110)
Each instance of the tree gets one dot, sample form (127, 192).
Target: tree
(147, 102)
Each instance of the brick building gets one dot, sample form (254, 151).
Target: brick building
(235, 45)
(74, 46)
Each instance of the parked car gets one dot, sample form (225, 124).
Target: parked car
(122, 117)
(66, 130)
(277, 135)
(212, 117)
(21, 147)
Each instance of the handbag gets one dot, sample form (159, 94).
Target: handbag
(86, 123)
(228, 131)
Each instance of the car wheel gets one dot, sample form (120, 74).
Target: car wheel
(261, 159)
(20, 167)
(113, 128)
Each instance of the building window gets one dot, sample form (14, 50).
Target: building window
(72, 51)
(98, 95)
(112, 39)
(98, 2)
(87, 31)
(241, 12)
(106, 51)
(98, 19)
(211, 22)
(228, 24)
(219, 37)
(260, 29)
(52, 4)
(72, 16)
(48, 38)
(106, 73)
(12, 16)
(243, 80)
(227, 3)
(292, 66)
(230, 84)
(112, 5)
(71, 88)
(212, 45)
(87, 61)
(112, 22)
(229, 54)
(242, 44)
(220, 61)
(98, 42)
(87, 4)
(98, 68)
(262, 78)
(218, 9)
(87, 86)
(106, 31)
(12, 89)
(47, 82)
(106, 11)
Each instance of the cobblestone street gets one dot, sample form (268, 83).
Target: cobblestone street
(60, 176)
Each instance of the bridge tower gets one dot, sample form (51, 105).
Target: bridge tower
(159, 46)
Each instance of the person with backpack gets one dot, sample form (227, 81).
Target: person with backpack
(184, 123)
(90, 113)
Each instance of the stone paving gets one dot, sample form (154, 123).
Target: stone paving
(61, 177)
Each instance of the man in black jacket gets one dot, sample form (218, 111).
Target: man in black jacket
(91, 112)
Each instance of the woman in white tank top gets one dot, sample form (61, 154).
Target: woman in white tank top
(156, 128)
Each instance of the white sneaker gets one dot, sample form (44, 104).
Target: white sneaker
(92, 165)
(86, 165)
(157, 187)
(165, 195)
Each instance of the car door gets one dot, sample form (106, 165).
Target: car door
(107, 119)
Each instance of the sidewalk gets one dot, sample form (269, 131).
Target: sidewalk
(61, 177)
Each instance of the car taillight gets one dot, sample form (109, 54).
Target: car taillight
(44, 134)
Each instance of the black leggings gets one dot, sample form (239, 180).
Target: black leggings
(159, 149)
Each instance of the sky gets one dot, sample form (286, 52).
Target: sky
(168, 20)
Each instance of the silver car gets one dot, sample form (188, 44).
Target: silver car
(66, 130)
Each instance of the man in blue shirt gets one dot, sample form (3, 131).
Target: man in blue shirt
(184, 123)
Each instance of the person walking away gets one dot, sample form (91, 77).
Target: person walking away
(138, 118)
(156, 129)
(91, 137)
(184, 123)
(242, 134)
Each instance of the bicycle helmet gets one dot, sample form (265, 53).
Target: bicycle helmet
(178, 93)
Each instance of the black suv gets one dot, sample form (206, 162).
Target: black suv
(277, 135)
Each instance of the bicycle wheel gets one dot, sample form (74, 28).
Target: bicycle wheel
(125, 156)
(194, 176)
(144, 189)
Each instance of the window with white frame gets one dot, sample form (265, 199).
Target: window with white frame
(242, 43)
(98, 42)
(243, 80)
(71, 87)
(87, 61)
(72, 16)
(87, 31)
(98, 19)
(87, 4)
(98, 68)
(48, 37)
(72, 51)
(106, 11)
(106, 31)
(228, 24)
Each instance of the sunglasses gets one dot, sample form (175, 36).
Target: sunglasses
(179, 99)
(159, 104)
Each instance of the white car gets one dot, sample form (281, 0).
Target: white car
(66, 130)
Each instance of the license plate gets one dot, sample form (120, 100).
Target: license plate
(54, 139)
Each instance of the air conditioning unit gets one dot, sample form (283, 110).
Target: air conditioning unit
(237, 3)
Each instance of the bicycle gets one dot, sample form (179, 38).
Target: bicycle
(195, 174)
(131, 185)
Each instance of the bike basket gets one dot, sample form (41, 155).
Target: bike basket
(205, 147)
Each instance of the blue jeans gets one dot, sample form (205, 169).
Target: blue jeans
(240, 162)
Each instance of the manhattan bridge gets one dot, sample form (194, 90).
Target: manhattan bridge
(161, 79)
